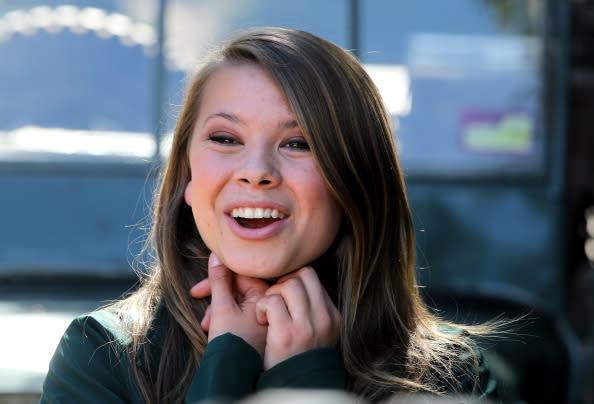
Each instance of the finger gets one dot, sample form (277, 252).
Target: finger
(221, 282)
(205, 323)
(201, 289)
(251, 289)
(274, 309)
(295, 296)
(316, 292)
(261, 316)
(318, 297)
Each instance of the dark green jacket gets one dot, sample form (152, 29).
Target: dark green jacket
(90, 366)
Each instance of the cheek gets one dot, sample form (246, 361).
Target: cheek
(331, 213)
(207, 176)
(203, 197)
(202, 192)
(322, 203)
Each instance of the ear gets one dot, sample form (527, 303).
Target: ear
(188, 194)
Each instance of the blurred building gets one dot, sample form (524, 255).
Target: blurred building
(491, 102)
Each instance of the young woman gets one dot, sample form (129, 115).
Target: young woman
(284, 249)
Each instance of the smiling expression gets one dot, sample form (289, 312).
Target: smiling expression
(256, 192)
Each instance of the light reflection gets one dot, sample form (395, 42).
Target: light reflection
(24, 332)
(43, 18)
(20, 22)
(456, 56)
(67, 16)
(393, 82)
(181, 53)
(93, 18)
(79, 21)
(32, 139)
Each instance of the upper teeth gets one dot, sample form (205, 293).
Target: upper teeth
(257, 213)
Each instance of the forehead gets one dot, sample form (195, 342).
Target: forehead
(243, 85)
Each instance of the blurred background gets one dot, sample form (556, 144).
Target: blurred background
(492, 102)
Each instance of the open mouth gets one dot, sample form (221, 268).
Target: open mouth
(255, 223)
(256, 218)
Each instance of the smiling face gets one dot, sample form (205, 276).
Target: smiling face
(256, 192)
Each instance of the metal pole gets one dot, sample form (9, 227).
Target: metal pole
(355, 13)
(159, 81)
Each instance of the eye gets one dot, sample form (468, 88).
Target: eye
(223, 139)
(297, 144)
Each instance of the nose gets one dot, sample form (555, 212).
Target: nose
(259, 168)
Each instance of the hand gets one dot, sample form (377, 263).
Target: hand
(233, 304)
(300, 316)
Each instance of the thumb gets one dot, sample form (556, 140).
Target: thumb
(220, 279)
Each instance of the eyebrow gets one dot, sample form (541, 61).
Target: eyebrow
(225, 115)
(289, 124)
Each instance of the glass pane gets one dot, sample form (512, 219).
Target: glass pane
(194, 27)
(465, 85)
(76, 78)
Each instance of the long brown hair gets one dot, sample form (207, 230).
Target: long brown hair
(389, 340)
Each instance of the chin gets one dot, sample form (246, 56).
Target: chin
(265, 272)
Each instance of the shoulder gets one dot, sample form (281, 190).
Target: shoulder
(95, 339)
(469, 372)
(104, 325)
(91, 362)
(95, 332)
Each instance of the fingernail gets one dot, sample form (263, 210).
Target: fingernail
(213, 260)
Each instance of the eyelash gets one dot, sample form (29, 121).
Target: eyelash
(222, 139)
(297, 144)
(229, 140)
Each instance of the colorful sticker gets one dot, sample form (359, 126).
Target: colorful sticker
(498, 132)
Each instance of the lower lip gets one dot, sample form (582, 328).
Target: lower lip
(261, 233)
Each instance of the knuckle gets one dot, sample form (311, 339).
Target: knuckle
(325, 324)
(274, 289)
(276, 300)
(307, 332)
(253, 292)
(287, 336)
(309, 275)
(283, 338)
(222, 310)
(307, 271)
(292, 284)
(219, 274)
